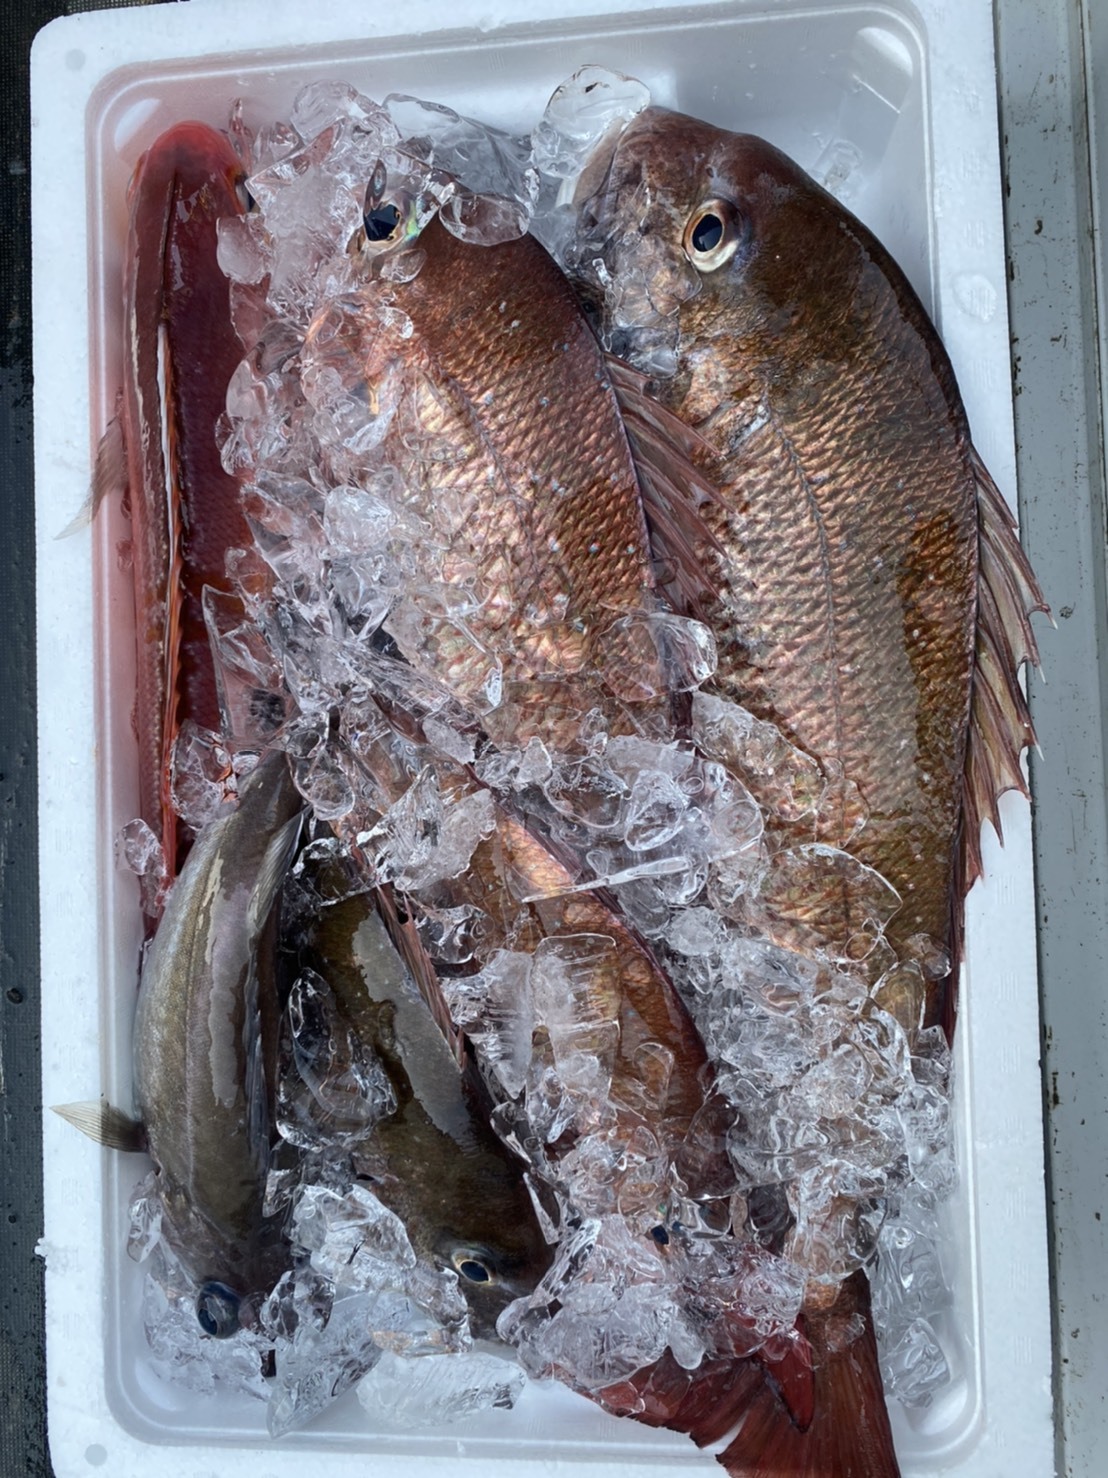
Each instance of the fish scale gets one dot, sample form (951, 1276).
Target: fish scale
(539, 493)
(867, 595)
(186, 512)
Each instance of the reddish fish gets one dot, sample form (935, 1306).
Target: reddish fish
(186, 512)
(866, 591)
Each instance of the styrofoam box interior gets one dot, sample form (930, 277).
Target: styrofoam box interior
(906, 91)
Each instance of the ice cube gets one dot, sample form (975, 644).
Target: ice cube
(321, 1363)
(140, 851)
(427, 1392)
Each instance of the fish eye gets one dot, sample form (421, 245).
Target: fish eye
(246, 200)
(217, 1309)
(712, 235)
(472, 1267)
(380, 222)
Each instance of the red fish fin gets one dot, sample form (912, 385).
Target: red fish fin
(1000, 724)
(849, 1434)
(405, 936)
(674, 488)
(788, 1365)
(705, 1402)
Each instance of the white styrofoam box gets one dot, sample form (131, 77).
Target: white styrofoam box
(907, 93)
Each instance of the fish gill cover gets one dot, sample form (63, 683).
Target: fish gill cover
(494, 716)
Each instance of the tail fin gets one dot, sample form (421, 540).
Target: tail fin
(847, 1434)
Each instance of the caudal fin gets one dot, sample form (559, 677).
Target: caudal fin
(849, 1435)
(828, 1420)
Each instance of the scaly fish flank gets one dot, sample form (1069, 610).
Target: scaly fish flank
(867, 596)
(186, 511)
(205, 1045)
(514, 457)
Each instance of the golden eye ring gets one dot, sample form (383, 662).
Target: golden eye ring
(712, 234)
(472, 1267)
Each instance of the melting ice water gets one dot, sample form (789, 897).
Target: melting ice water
(827, 1146)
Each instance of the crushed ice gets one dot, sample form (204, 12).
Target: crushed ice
(372, 659)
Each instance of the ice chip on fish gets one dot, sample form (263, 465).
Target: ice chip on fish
(657, 653)
(320, 105)
(581, 112)
(499, 183)
(139, 849)
(423, 1393)
(319, 1364)
(333, 1089)
(787, 782)
(354, 1240)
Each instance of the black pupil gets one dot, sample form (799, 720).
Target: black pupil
(707, 233)
(476, 1272)
(217, 1310)
(381, 222)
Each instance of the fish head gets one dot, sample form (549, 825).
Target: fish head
(198, 161)
(492, 1274)
(722, 230)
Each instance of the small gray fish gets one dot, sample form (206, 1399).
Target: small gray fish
(205, 1046)
(434, 1159)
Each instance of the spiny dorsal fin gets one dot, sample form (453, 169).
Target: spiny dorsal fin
(411, 949)
(674, 488)
(1000, 724)
(109, 1126)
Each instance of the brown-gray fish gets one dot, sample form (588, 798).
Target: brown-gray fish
(205, 1045)
(862, 578)
(434, 1159)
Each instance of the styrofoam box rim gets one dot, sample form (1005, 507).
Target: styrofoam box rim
(999, 1106)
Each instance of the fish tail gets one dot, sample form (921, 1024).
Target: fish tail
(848, 1434)
(808, 1406)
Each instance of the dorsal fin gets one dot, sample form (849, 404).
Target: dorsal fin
(411, 949)
(1000, 723)
(674, 488)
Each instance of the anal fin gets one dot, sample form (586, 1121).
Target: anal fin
(849, 1434)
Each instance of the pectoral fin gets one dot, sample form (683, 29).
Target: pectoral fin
(411, 949)
(109, 1126)
(674, 489)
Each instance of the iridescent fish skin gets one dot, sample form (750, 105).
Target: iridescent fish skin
(532, 491)
(858, 536)
(205, 1038)
(867, 596)
(186, 513)
(435, 1160)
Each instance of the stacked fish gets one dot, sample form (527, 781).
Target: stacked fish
(611, 738)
